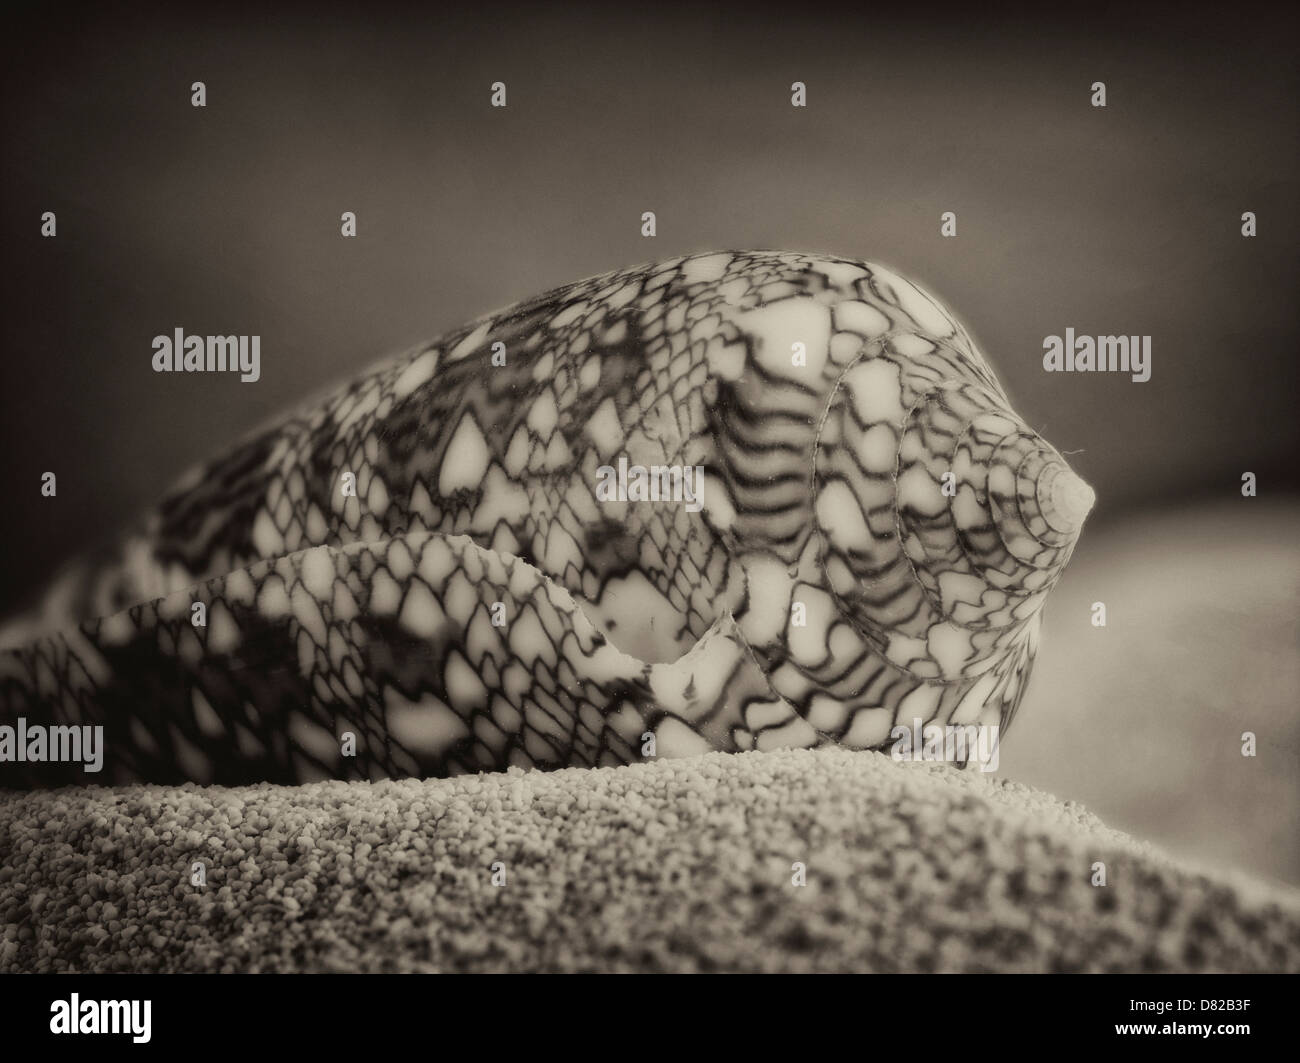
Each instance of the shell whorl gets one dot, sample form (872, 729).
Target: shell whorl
(944, 520)
(943, 523)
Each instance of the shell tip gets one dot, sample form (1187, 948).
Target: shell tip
(1072, 498)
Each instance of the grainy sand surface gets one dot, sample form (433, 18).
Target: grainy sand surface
(669, 866)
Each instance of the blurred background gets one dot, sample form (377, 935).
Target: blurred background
(1124, 220)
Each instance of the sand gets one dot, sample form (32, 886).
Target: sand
(684, 865)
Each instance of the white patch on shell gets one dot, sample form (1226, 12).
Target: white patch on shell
(859, 317)
(840, 518)
(463, 685)
(459, 599)
(205, 716)
(421, 614)
(605, 429)
(878, 449)
(415, 374)
(778, 326)
(317, 572)
(238, 586)
(876, 391)
(223, 632)
(385, 594)
(561, 550)
(518, 453)
(543, 414)
(919, 491)
(528, 640)
(809, 644)
(470, 343)
(950, 646)
(589, 374)
(273, 598)
(306, 612)
(267, 540)
(377, 498)
(726, 360)
(466, 459)
(705, 268)
(426, 726)
(502, 499)
(769, 587)
(870, 729)
(638, 619)
(676, 739)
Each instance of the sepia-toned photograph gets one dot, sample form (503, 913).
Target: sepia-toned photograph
(592, 489)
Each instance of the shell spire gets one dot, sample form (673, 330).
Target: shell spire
(944, 522)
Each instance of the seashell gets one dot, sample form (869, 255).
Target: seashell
(731, 501)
